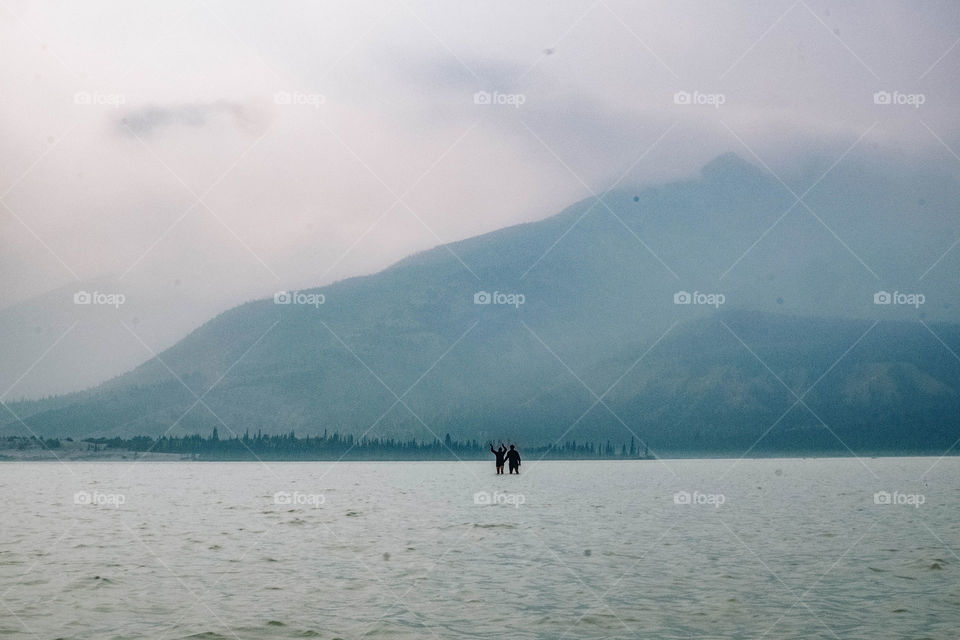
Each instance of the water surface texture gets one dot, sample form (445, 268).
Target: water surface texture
(643, 549)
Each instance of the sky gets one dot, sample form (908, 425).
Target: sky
(194, 155)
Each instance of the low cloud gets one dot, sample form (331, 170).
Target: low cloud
(150, 119)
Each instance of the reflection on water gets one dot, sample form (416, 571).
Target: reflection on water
(673, 549)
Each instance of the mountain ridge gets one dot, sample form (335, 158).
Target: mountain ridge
(597, 283)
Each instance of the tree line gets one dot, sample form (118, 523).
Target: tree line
(336, 446)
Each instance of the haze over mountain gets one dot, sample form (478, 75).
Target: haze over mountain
(795, 343)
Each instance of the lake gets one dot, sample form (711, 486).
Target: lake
(775, 548)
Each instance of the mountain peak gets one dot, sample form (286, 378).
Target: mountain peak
(729, 165)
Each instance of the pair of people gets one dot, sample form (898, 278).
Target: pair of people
(511, 455)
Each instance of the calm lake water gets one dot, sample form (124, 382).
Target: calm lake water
(643, 549)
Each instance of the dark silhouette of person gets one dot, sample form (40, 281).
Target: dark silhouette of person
(513, 460)
(500, 452)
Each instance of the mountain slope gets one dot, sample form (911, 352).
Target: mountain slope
(408, 353)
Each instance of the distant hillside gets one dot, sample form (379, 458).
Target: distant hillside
(598, 292)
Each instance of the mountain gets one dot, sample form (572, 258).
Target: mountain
(575, 301)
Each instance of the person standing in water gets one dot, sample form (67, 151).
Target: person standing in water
(513, 458)
(500, 452)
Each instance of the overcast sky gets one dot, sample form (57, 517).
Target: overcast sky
(199, 154)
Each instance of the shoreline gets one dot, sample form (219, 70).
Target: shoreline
(19, 456)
